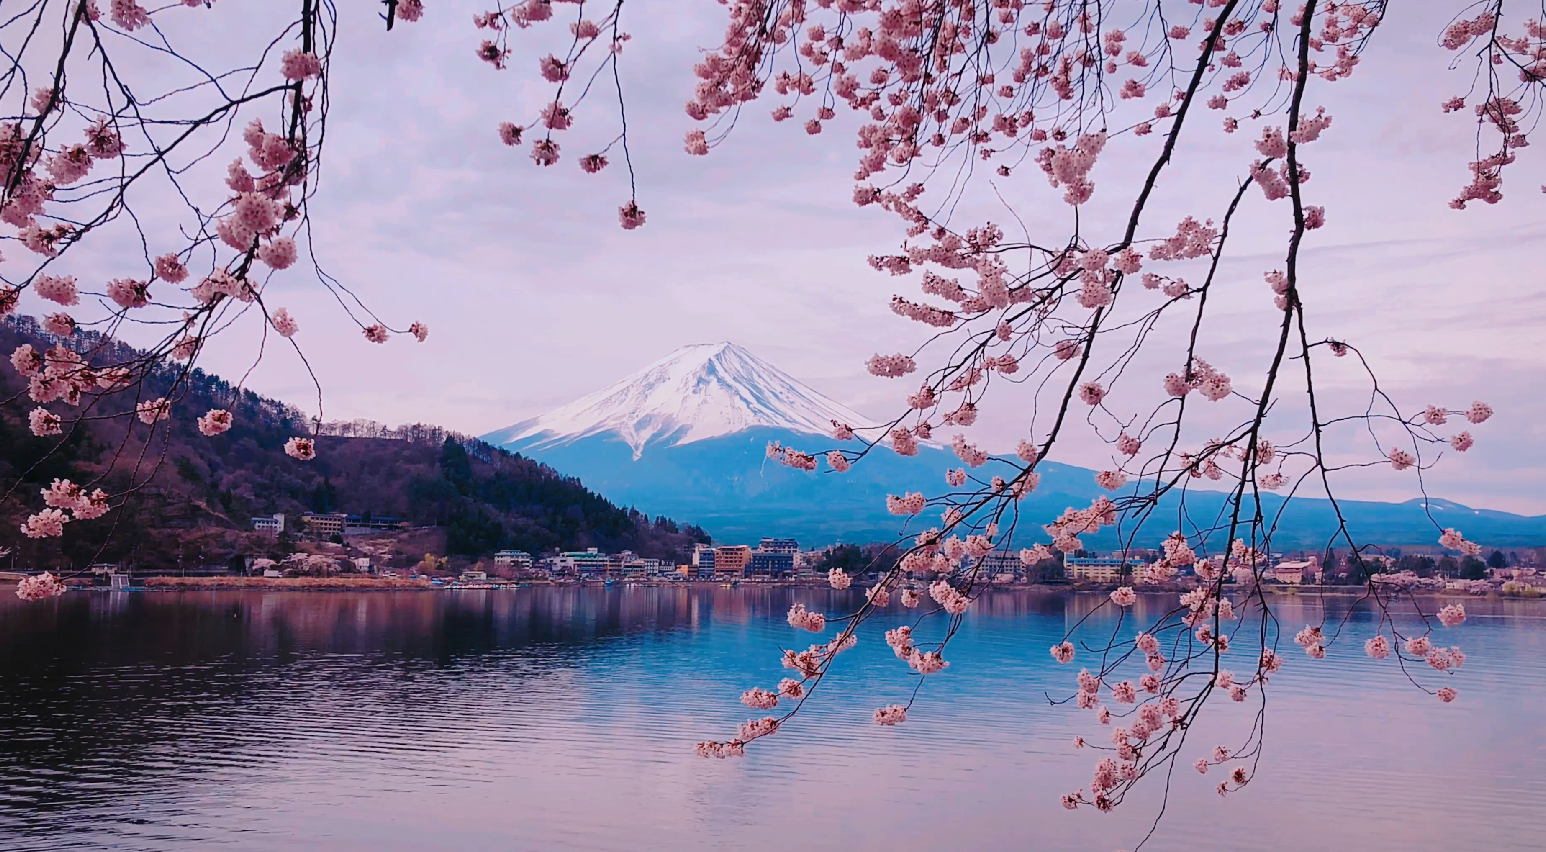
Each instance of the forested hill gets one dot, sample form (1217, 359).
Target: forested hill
(181, 484)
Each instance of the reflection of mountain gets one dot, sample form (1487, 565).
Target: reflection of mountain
(175, 701)
(549, 718)
(686, 437)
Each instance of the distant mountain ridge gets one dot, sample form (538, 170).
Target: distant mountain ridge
(686, 436)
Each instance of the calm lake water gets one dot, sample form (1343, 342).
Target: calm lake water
(565, 719)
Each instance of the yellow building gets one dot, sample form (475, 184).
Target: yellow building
(324, 526)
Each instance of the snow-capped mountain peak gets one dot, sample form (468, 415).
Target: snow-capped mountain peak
(698, 392)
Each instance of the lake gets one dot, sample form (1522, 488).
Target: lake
(565, 718)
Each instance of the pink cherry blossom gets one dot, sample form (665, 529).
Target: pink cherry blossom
(759, 699)
(283, 323)
(890, 365)
(1033, 555)
(129, 15)
(62, 494)
(91, 506)
(553, 69)
(303, 449)
(1026, 451)
(1124, 597)
(948, 597)
(1111, 480)
(376, 333)
(59, 289)
(544, 152)
(215, 422)
(894, 714)
(170, 268)
(60, 324)
(806, 620)
(630, 216)
(151, 411)
(928, 663)
(1453, 540)
(1478, 412)
(1452, 615)
(26, 360)
(1063, 652)
(279, 253)
(128, 293)
(299, 65)
(40, 586)
(48, 523)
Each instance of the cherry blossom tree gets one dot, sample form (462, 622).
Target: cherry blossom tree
(951, 98)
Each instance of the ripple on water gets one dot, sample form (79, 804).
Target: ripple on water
(563, 719)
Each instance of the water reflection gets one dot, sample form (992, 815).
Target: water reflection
(563, 718)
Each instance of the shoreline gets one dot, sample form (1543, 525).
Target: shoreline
(371, 584)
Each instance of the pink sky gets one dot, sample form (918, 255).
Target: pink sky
(534, 296)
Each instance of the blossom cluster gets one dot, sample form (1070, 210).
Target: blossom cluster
(61, 497)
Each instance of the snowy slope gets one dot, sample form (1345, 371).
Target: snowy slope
(696, 393)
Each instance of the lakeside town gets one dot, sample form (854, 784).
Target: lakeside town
(345, 551)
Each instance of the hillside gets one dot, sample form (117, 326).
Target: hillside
(190, 498)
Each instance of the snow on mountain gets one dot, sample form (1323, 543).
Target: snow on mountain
(698, 392)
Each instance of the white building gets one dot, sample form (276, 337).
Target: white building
(1093, 569)
(778, 545)
(588, 561)
(513, 558)
(274, 525)
(1000, 562)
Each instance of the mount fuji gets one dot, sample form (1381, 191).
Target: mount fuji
(687, 436)
(698, 392)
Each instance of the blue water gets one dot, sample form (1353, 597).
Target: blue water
(565, 719)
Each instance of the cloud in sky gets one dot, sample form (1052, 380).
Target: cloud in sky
(535, 296)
